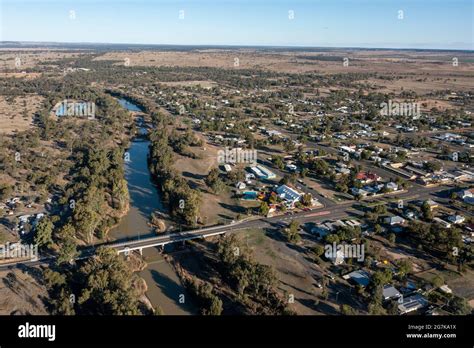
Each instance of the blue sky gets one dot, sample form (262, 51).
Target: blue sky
(347, 23)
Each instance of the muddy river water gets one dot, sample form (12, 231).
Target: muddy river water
(164, 287)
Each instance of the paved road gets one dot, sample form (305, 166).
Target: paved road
(339, 211)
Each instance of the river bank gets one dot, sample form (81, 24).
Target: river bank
(164, 288)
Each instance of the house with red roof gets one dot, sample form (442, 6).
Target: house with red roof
(367, 177)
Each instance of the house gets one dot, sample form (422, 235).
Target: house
(320, 231)
(345, 171)
(352, 223)
(348, 149)
(412, 303)
(24, 218)
(442, 222)
(446, 289)
(37, 219)
(467, 196)
(432, 204)
(410, 215)
(288, 194)
(367, 177)
(391, 186)
(291, 167)
(249, 176)
(12, 202)
(271, 133)
(359, 192)
(262, 172)
(470, 228)
(463, 175)
(240, 185)
(394, 220)
(456, 219)
(267, 173)
(373, 189)
(359, 277)
(389, 292)
(256, 172)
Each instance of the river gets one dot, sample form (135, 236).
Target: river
(164, 287)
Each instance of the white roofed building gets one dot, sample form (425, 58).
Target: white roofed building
(288, 194)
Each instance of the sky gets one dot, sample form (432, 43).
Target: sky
(439, 24)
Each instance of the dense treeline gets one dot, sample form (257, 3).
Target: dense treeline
(183, 201)
(203, 294)
(97, 185)
(102, 285)
(81, 170)
(255, 283)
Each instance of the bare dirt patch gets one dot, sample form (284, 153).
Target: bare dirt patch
(293, 269)
(21, 294)
(17, 114)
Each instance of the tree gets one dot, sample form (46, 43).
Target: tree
(237, 174)
(278, 162)
(289, 145)
(307, 199)
(318, 250)
(264, 209)
(214, 182)
(432, 166)
(53, 278)
(346, 310)
(216, 306)
(381, 278)
(437, 281)
(44, 233)
(67, 251)
(342, 187)
(5, 190)
(105, 285)
(249, 278)
(61, 304)
(405, 267)
(332, 238)
(376, 309)
(426, 211)
(392, 238)
(292, 232)
(380, 209)
(377, 229)
(460, 306)
(86, 220)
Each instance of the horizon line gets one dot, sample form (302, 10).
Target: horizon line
(45, 43)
